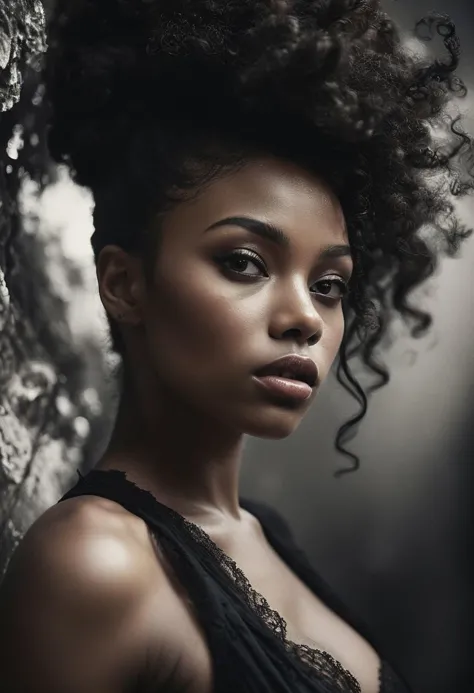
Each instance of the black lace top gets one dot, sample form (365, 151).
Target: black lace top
(247, 639)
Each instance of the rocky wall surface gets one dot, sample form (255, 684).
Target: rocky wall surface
(51, 411)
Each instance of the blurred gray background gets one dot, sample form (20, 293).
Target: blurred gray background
(393, 538)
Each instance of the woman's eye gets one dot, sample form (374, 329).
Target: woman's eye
(239, 261)
(334, 288)
(248, 264)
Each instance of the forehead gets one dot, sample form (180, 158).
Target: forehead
(272, 190)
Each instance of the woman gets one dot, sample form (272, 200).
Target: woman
(260, 175)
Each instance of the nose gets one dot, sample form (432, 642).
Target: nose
(296, 317)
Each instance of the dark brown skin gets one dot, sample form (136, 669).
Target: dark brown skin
(89, 603)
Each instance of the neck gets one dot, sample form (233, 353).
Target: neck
(189, 463)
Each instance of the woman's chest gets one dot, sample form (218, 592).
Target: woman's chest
(308, 621)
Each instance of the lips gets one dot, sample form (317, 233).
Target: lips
(292, 367)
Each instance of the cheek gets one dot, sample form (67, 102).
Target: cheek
(199, 323)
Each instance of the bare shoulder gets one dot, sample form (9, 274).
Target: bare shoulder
(91, 544)
(78, 586)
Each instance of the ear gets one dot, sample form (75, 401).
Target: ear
(121, 284)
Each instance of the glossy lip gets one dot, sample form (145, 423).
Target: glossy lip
(294, 367)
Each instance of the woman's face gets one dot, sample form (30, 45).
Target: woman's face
(227, 301)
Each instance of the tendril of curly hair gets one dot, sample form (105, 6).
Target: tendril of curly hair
(152, 99)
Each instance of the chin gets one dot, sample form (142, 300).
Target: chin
(273, 426)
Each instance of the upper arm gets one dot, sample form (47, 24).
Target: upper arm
(71, 609)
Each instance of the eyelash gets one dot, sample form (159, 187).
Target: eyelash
(250, 256)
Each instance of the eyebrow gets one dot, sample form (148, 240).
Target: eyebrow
(272, 233)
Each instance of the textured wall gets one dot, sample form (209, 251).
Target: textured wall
(49, 412)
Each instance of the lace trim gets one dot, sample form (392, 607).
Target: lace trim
(314, 658)
(317, 659)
